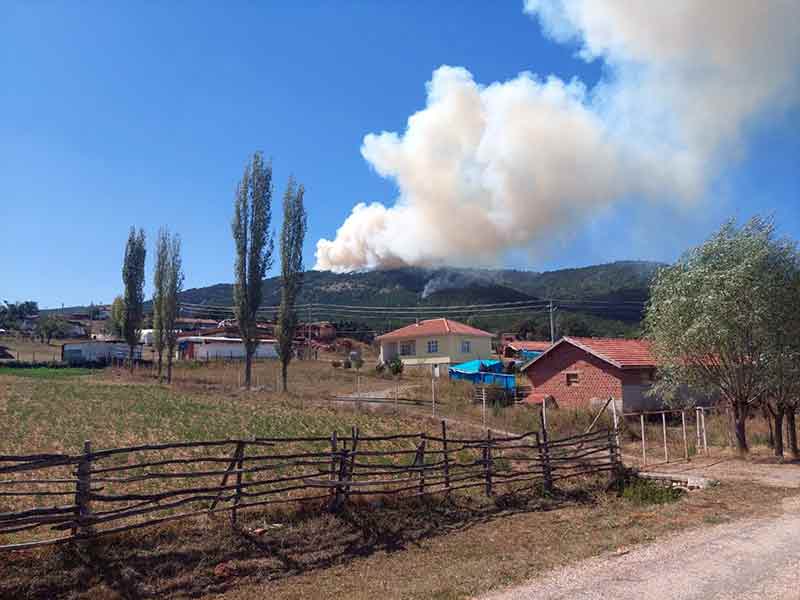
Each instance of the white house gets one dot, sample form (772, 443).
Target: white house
(435, 342)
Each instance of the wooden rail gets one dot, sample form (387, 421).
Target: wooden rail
(98, 492)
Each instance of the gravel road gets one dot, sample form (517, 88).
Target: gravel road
(758, 558)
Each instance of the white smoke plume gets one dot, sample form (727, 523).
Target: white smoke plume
(485, 169)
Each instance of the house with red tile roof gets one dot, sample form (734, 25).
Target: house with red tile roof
(579, 372)
(435, 342)
(524, 349)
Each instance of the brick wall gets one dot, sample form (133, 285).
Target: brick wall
(596, 378)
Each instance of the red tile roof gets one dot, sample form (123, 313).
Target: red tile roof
(440, 326)
(535, 346)
(622, 353)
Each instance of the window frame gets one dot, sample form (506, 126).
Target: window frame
(572, 378)
(411, 348)
(466, 346)
(435, 345)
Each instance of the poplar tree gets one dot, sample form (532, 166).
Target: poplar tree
(159, 286)
(293, 233)
(173, 285)
(133, 280)
(254, 247)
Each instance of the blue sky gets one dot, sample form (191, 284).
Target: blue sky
(144, 114)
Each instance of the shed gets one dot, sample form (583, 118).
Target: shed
(199, 347)
(98, 352)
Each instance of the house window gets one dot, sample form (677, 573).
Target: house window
(572, 379)
(647, 377)
(408, 349)
(465, 347)
(433, 346)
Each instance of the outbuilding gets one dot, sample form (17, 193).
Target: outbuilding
(579, 371)
(98, 352)
(198, 347)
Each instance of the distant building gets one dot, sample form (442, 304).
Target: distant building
(524, 350)
(198, 347)
(435, 342)
(101, 352)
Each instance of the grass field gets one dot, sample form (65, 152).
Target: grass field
(431, 549)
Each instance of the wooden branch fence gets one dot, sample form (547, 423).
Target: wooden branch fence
(58, 498)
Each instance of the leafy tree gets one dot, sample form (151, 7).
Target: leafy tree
(50, 326)
(173, 284)
(783, 353)
(293, 233)
(133, 279)
(254, 246)
(159, 292)
(117, 317)
(709, 318)
(11, 313)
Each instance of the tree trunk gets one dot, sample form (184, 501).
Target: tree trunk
(160, 354)
(285, 375)
(740, 429)
(767, 412)
(170, 352)
(248, 365)
(792, 434)
(778, 441)
(130, 358)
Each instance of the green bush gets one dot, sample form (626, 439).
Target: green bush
(645, 491)
(396, 366)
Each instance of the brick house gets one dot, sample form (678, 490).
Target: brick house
(578, 372)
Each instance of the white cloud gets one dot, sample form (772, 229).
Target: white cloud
(484, 169)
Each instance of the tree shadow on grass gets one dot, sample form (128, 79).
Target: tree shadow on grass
(196, 558)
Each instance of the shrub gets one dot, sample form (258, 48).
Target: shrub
(358, 363)
(336, 364)
(396, 366)
(346, 364)
(644, 491)
(380, 368)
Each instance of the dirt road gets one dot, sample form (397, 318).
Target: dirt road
(751, 559)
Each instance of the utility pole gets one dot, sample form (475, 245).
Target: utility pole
(551, 309)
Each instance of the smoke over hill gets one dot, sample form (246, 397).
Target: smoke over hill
(483, 169)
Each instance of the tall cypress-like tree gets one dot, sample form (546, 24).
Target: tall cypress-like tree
(133, 280)
(293, 232)
(173, 284)
(254, 247)
(159, 285)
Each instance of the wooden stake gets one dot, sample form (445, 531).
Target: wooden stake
(238, 494)
(705, 438)
(616, 423)
(644, 441)
(82, 526)
(664, 429)
(544, 458)
(685, 441)
(487, 461)
(446, 458)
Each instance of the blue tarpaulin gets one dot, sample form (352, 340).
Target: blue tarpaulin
(483, 372)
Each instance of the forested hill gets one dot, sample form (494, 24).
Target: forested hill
(611, 291)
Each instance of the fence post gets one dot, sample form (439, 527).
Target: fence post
(644, 440)
(238, 495)
(446, 458)
(334, 457)
(685, 441)
(82, 527)
(705, 438)
(613, 453)
(697, 427)
(487, 461)
(616, 422)
(544, 458)
(664, 428)
(420, 462)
